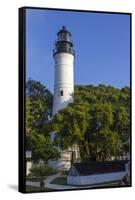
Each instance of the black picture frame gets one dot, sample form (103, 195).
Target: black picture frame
(22, 94)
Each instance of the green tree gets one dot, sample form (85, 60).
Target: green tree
(70, 125)
(38, 107)
(98, 121)
(41, 146)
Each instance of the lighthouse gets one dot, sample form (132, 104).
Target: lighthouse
(63, 55)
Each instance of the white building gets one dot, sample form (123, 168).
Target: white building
(91, 173)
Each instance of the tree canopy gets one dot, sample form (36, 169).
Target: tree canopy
(98, 121)
(38, 107)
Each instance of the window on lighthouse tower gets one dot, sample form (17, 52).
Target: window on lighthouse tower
(61, 93)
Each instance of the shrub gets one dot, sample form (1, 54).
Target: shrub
(42, 170)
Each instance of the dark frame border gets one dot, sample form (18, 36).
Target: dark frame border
(21, 92)
(22, 103)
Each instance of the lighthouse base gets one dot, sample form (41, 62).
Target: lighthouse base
(63, 163)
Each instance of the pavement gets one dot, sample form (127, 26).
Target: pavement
(55, 186)
(48, 184)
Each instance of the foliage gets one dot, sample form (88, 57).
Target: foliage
(42, 170)
(41, 146)
(35, 189)
(98, 121)
(70, 123)
(60, 180)
(38, 107)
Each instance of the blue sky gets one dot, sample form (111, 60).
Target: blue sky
(101, 42)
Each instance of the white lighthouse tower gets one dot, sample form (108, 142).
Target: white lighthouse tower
(63, 54)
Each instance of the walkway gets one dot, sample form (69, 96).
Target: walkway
(55, 186)
(48, 184)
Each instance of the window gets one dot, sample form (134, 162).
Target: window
(61, 93)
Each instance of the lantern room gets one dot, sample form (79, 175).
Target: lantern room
(63, 42)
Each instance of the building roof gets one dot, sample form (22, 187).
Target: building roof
(89, 168)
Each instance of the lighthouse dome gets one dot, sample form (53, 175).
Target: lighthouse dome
(63, 42)
(64, 35)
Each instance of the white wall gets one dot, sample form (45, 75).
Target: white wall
(95, 179)
(28, 167)
(64, 80)
(64, 69)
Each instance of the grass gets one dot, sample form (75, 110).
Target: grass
(34, 189)
(37, 189)
(60, 181)
(35, 179)
(65, 173)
